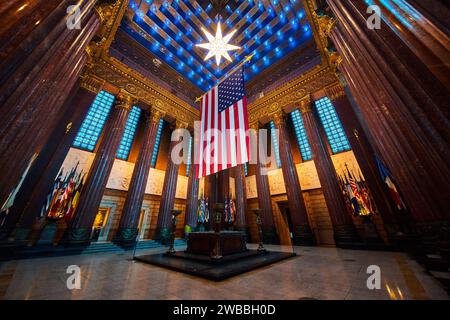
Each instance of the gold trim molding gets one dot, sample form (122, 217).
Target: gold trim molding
(104, 70)
(292, 94)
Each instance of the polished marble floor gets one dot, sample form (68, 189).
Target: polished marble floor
(316, 273)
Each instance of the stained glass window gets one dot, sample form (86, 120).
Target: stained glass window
(157, 142)
(128, 134)
(92, 126)
(275, 143)
(300, 134)
(245, 169)
(332, 125)
(188, 163)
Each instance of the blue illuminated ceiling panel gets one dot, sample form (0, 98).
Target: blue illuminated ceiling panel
(171, 29)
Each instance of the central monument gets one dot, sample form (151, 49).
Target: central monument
(217, 243)
(215, 254)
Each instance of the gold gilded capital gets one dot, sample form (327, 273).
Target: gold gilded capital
(305, 108)
(125, 100)
(326, 24)
(181, 125)
(254, 125)
(305, 105)
(278, 118)
(156, 115)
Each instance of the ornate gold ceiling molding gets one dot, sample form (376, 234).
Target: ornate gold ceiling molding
(291, 94)
(105, 71)
(312, 17)
(110, 18)
(325, 25)
(91, 84)
(109, 70)
(297, 92)
(335, 91)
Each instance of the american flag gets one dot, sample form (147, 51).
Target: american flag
(224, 142)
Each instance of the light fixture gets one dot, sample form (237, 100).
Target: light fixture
(218, 46)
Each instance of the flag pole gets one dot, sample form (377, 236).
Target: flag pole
(246, 59)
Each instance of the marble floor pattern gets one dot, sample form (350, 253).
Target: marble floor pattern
(316, 273)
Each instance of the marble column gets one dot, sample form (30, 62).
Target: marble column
(212, 195)
(223, 191)
(192, 197)
(264, 198)
(80, 227)
(168, 194)
(43, 76)
(364, 154)
(343, 227)
(240, 187)
(397, 76)
(223, 185)
(40, 180)
(128, 226)
(297, 208)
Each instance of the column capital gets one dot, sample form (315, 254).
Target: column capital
(125, 100)
(181, 124)
(155, 115)
(306, 107)
(254, 125)
(278, 117)
(326, 24)
(335, 92)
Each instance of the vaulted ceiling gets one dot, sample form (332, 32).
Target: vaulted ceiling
(159, 39)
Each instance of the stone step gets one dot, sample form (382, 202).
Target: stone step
(22, 252)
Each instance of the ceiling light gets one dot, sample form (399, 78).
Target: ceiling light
(218, 46)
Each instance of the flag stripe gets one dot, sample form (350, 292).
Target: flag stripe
(216, 126)
(200, 143)
(219, 144)
(224, 140)
(247, 137)
(205, 149)
(232, 137)
(242, 132)
(236, 134)
(228, 140)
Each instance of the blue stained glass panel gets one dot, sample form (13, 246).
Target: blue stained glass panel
(157, 142)
(188, 164)
(300, 134)
(92, 126)
(333, 128)
(128, 134)
(275, 143)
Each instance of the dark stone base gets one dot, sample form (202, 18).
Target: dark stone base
(371, 234)
(216, 270)
(77, 237)
(270, 236)
(434, 232)
(163, 236)
(303, 236)
(245, 230)
(22, 234)
(218, 244)
(126, 237)
(345, 234)
(3, 234)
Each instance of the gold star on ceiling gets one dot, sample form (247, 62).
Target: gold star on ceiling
(218, 46)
